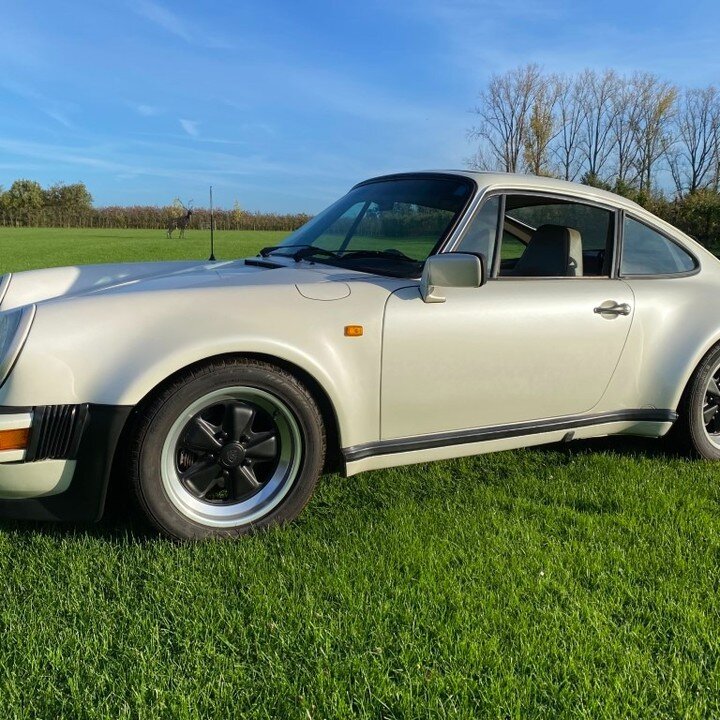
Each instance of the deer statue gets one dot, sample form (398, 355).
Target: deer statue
(180, 223)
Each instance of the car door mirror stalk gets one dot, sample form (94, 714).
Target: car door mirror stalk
(451, 270)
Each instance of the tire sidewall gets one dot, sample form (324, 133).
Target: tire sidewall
(148, 472)
(699, 440)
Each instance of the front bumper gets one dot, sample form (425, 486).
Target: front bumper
(65, 471)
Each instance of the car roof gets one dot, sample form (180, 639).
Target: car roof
(521, 181)
(535, 183)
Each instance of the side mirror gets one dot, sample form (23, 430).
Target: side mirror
(451, 270)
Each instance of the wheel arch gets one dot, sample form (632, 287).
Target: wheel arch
(333, 460)
(695, 362)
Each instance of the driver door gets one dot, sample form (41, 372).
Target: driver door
(518, 349)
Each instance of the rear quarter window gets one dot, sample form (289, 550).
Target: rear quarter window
(646, 252)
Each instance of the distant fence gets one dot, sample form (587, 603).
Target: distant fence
(152, 218)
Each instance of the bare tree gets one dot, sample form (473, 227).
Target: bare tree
(504, 114)
(624, 123)
(597, 139)
(541, 129)
(694, 157)
(655, 110)
(571, 111)
(603, 127)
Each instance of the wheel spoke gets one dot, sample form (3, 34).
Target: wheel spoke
(710, 413)
(713, 427)
(202, 436)
(244, 479)
(236, 451)
(713, 388)
(201, 477)
(238, 419)
(262, 446)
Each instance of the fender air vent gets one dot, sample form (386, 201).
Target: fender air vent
(56, 432)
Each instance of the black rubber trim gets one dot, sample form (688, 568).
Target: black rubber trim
(84, 500)
(498, 432)
(422, 175)
(5, 410)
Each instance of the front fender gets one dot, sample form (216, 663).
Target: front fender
(114, 349)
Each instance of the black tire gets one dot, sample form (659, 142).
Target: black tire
(198, 427)
(693, 432)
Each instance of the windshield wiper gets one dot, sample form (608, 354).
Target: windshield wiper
(308, 252)
(304, 251)
(387, 254)
(270, 249)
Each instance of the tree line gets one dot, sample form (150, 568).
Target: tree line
(637, 135)
(27, 204)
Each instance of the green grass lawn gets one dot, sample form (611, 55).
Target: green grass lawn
(568, 582)
(25, 248)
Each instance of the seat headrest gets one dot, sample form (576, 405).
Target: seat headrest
(553, 251)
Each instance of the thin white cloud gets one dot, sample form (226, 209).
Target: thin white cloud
(163, 18)
(59, 117)
(190, 127)
(58, 111)
(173, 24)
(202, 165)
(147, 110)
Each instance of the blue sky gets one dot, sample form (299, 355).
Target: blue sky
(284, 105)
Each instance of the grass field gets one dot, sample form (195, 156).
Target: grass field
(568, 582)
(26, 248)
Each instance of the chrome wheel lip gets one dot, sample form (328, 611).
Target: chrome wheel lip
(711, 398)
(266, 498)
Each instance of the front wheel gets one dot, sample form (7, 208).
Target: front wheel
(230, 447)
(699, 423)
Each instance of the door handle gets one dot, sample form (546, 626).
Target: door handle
(610, 307)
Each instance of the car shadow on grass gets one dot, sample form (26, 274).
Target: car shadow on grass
(122, 523)
(129, 529)
(641, 447)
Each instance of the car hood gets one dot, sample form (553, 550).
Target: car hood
(313, 281)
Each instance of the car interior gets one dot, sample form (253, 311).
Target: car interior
(547, 237)
(552, 251)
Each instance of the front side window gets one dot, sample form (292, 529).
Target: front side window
(387, 227)
(647, 252)
(548, 237)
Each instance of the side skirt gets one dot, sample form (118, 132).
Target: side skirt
(500, 432)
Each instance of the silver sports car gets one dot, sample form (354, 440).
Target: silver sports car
(422, 316)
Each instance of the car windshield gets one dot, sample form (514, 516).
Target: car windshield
(388, 227)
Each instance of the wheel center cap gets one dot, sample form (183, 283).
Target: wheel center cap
(232, 455)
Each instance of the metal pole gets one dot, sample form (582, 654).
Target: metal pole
(212, 229)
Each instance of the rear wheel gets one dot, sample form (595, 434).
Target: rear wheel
(228, 448)
(699, 424)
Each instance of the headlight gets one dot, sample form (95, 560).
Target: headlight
(14, 328)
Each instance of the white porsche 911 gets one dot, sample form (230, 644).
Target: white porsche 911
(422, 316)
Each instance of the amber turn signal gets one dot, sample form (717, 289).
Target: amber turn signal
(353, 330)
(14, 439)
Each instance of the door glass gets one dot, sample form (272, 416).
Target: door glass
(547, 237)
(512, 247)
